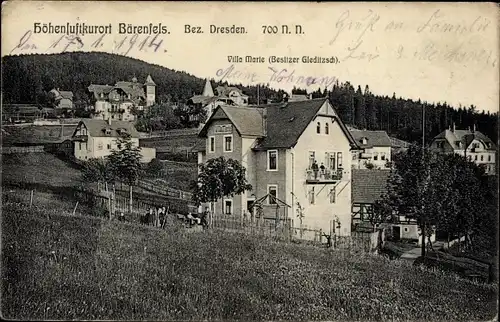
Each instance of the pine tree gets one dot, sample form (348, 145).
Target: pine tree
(360, 109)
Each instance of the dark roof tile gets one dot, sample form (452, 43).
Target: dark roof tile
(368, 184)
(374, 138)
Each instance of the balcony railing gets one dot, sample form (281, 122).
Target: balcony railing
(326, 175)
(80, 138)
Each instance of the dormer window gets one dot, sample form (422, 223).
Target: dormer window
(364, 141)
(107, 131)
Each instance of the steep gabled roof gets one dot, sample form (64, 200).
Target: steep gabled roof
(247, 120)
(368, 184)
(99, 89)
(225, 90)
(284, 122)
(202, 99)
(149, 81)
(67, 94)
(208, 91)
(287, 121)
(97, 128)
(373, 138)
(453, 137)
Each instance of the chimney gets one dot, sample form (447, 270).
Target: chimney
(264, 121)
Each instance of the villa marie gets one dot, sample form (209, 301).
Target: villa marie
(278, 145)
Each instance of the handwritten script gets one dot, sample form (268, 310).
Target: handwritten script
(118, 44)
(275, 75)
(361, 35)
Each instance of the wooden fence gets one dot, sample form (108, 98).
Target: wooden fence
(261, 226)
(23, 149)
(160, 188)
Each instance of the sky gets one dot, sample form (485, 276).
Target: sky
(433, 51)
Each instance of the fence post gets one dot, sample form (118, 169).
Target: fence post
(74, 210)
(31, 198)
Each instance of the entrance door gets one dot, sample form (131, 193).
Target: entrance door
(396, 232)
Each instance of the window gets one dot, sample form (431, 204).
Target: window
(375, 156)
(228, 143)
(318, 128)
(312, 157)
(339, 159)
(406, 230)
(331, 161)
(326, 128)
(311, 196)
(272, 160)
(228, 207)
(99, 146)
(211, 144)
(272, 190)
(109, 146)
(382, 156)
(333, 194)
(79, 145)
(475, 158)
(489, 157)
(482, 157)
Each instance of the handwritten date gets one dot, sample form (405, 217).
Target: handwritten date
(120, 44)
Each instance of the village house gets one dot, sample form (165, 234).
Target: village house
(376, 149)
(118, 102)
(62, 99)
(474, 145)
(98, 138)
(368, 186)
(226, 95)
(295, 153)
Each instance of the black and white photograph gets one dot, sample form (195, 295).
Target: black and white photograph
(259, 161)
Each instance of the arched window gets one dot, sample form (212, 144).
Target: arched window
(326, 128)
(318, 128)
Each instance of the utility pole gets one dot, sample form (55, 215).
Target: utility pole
(425, 183)
(258, 95)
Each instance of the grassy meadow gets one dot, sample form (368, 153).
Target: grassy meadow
(57, 266)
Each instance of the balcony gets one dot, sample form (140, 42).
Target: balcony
(80, 138)
(323, 176)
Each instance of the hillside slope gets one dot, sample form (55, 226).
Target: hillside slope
(64, 267)
(25, 77)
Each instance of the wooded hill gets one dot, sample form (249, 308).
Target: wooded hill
(27, 78)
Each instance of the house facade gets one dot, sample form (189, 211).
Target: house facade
(278, 145)
(368, 186)
(474, 145)
(62, 99)
(225, 96)
(98, 138)
(119, 101)
(376, 149)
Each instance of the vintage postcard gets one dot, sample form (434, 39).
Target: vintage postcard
(249, 160)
